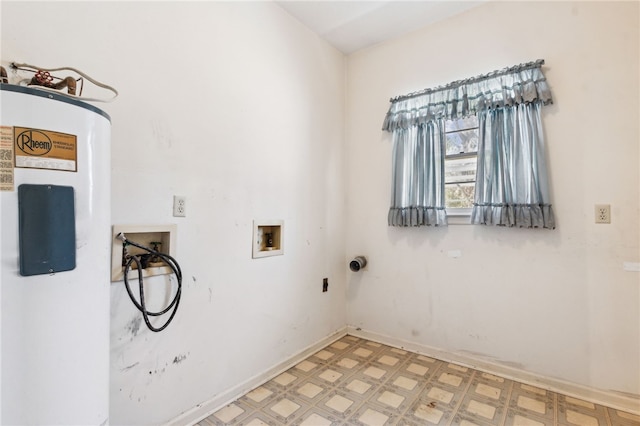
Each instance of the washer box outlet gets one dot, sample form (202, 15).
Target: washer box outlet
(268, 238)
(145, 235)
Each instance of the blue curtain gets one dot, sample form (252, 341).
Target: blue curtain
(511, 180)
(417, 195)
(511, 188)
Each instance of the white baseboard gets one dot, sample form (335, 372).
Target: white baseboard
(622, 402)
(209, 407)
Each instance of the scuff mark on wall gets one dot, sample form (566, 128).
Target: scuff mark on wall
(129, 367)
(134, 325)
(158, 371)
(179, 358)
(495, 360)
(162, 133)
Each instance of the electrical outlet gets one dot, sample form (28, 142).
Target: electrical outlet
(325, 284)
(603, 213)
(179, 206)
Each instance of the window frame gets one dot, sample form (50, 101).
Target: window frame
(460, 212)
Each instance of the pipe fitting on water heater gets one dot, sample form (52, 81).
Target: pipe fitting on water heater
(358, 263)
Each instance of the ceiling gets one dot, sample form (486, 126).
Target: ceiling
(353, 25)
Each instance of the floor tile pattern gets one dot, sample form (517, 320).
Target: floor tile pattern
(359, 382)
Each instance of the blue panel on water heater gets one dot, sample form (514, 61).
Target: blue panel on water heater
(47, 232)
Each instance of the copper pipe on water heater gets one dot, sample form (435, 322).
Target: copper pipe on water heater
(69, 82)
(44, 78)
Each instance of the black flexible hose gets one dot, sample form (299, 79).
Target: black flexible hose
(175, 267)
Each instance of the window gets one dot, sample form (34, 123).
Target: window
(461, 160)
(490, 167)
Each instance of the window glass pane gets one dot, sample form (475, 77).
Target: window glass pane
(461, 124)
(460, 170)
(459, 195)
(462, 142)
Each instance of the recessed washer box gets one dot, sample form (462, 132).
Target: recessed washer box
(268, 238)
(145, 235)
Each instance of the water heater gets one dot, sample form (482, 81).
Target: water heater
(54, 258)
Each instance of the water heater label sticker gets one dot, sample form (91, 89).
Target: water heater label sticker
(45, 149)
(6, 158)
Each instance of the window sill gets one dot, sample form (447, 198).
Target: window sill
(459, 216)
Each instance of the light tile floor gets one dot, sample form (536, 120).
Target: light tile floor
(359, 382)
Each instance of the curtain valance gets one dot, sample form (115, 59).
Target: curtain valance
(524, 83)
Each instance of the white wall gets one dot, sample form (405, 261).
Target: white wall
(239, 108)
(557, 303)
